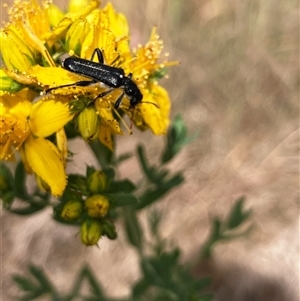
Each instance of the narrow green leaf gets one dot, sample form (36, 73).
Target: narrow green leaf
(202, 283)
(89, 170)
(27, 210)
(121, 186)
(24, 283)
(133, 228)
(140, 288)
(237, 215)
(20, 181)
(122, 158)
(153, 194)
(120, 199)
(104, 155)
(6, 178)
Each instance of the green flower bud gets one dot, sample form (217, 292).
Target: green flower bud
(71, 210)
(87, 122)
(97, 205)
(109, 229)
(97, 182)
(90, 232)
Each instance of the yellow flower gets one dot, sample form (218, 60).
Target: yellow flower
(39, 32)
(25, 125)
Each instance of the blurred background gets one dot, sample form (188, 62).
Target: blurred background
(237, 86)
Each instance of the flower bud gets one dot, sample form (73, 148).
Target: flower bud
(90, 232)
(97, 205)
(76, 35)
(71, 210)
(15, 54)
(87, 122)
(97, 182)
(109, 229)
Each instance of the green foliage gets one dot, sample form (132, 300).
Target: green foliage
(163, 276)
(177, 138)
(225, 230)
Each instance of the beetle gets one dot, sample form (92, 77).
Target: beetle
(111, 77)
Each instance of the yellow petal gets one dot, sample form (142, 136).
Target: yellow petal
(118, 22)
(62, 144)
(43, 157)
(77, 5)
(107, 118)
(70, 18)
(47, 117)
(24, 160)
(55, 15)
(53, 76)
(105, 136)
(157, 118)
(76, 35)
(23, 78)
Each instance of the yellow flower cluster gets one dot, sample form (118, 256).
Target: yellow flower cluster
(33, 40)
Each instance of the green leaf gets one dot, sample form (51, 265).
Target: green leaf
(78, 182)
(237, 215)
(202, 283)
(89, 170)
(71, 130)
(122, 158)
(32, 208)
(133, 228)
(140, 287)
(176, 139)
(34, 203)
(120, 199)
(104, 155)
(215, 235)
(153, 194)
(124, 186)
(24, 284)
(110, 172)
(6, 179)
(206, 297)
(20, 182)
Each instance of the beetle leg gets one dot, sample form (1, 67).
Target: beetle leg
(99, 55)
(83, 83)
(119, 100)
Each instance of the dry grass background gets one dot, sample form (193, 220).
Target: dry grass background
(237, 85)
